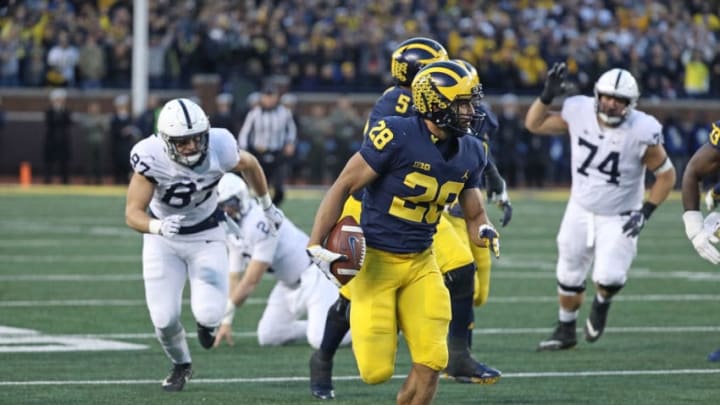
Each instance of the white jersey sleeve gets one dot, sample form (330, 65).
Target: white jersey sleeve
(608, 175)
(180, 189)
(284, 250)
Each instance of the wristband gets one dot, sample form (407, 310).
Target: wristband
(647, 209)
(265, 201)
(154, 226)
(229, 313)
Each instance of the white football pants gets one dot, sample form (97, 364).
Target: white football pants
(585, 239)
(167, 264)
(281, 322)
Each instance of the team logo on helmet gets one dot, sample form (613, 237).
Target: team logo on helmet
(438, 91)
(412, 55)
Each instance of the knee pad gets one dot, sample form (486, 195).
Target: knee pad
(612, 289)
(461, 281)
(570, 290)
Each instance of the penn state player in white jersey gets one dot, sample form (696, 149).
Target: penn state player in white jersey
(171, 199)
(612, 145)
(301, 289)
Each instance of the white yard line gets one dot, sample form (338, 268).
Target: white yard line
(636, 273)
(262, 301)
(562, 374)
(479, 331)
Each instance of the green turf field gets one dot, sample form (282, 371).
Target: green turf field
(74, 328)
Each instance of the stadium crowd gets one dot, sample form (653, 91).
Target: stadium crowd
(345, 46)
(338, 45)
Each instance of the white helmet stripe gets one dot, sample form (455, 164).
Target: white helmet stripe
(187, 114)
(617, 81)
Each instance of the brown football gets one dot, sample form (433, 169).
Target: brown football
(346, 238)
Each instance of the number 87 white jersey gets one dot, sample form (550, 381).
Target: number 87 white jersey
(608, 175)
(180, 189)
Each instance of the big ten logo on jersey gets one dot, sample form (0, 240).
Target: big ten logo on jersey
(422, 166)
(715, 134)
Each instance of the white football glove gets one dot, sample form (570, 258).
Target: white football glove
(275, 216)
(323, 258)
(168, 226)
(701, 234)
(492, 236)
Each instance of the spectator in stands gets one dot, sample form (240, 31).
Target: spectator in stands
(507, 139)
(123, 135)
(10, 53)
(62, 60)
(269, 133)
(697, 75)
(58, 121)
(94, 126)
(91, 64)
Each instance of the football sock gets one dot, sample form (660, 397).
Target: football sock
(462, 309)
(567, 316)
(600, 299)
(336, 326)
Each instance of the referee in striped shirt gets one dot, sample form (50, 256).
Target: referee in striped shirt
(269, 133)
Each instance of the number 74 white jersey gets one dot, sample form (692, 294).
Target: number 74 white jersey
(608, 175)
(181, 189)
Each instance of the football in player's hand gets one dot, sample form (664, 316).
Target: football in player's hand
(346, 238)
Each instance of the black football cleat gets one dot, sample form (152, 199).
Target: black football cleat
(179, 375)
(564, 337)
(595, 324)
(206, 336)
(465, 369)
(321, 386)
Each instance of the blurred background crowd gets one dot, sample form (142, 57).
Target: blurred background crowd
(344, 46)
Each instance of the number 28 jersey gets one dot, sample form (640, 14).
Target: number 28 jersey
(181, 189)
(608, 175)
(402, 206)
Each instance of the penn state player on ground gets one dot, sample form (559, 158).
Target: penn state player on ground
(612, 145)
(704, 162)
(301, 297)
(410, 168)
(171, 199)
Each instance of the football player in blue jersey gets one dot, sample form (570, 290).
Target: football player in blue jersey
(410, 167)
(456, 265)
(705, 162)
(407, 59)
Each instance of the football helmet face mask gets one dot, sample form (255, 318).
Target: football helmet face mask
(479, 115)
(184, 127)
(619, 84)
(444, 93)
(234, 195)
(412, 55)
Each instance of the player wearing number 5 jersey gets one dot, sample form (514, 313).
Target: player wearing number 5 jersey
(612, 145)
(410, 168)
(171, 199)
